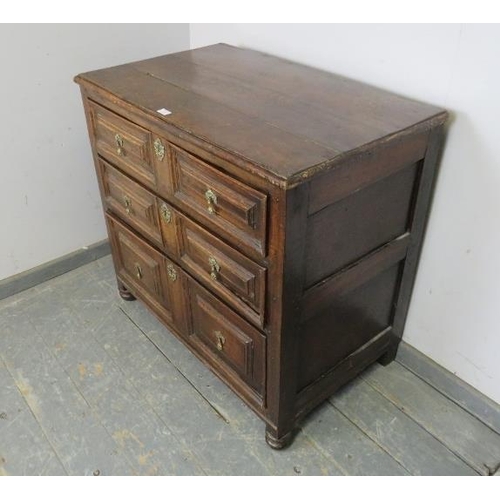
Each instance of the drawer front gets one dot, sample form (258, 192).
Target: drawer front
(236, 211)
(224, 336)
(232, 276)
(149, 274)
(133, 203)
(123, 143)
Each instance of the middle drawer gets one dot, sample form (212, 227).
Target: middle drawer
(229, 274)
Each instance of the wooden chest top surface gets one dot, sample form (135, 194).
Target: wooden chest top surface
(291, 120)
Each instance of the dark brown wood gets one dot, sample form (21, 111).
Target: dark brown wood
(320, 296)
(314, 394)
(334, 101)
(132, 203)
(232, 208)
(224, 335)
(278, 443)
(350, 228)
(390, 355)
(232, 276)
(418, 223)
(294, 115)
(125, 293)
(359, 170)
(147, 272)
(284, 359)
(216, 123)
(272, 221)
(325, 92)
(123, 143)
(351, 320)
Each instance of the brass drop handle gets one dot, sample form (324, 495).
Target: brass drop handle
(214, 268)
(211, 198)
(128, 204)
(138, 271)
(119, 144)
(221, 340)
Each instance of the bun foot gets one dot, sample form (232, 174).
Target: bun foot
(124, 293)
(279, 443)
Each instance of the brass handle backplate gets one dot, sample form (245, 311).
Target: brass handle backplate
(166, 213)
(128, 204)
(159, 149)
(211, 198)
(172, 273)
(221, 340)
(119, 144)
(138, 271)
(214, 268)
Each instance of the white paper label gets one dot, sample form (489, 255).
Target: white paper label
(164, 111)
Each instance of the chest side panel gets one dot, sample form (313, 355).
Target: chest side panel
(358, 235)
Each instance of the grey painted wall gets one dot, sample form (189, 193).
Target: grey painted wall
(49, 201)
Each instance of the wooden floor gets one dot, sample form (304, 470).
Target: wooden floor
(90, 384)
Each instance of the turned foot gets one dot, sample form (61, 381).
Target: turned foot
(278, 443)
(124, 292)
(389, 355)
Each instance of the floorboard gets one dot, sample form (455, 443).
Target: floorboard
(302, 458)
(463, 434)
(201, 429)
(69, 422)
(145, 440)
(90, 384)
(350, 448)
(451, 386)
(22, 436)
(413, 447)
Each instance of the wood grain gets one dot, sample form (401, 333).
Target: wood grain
(272, 220)
(225, 94)
(367, 219)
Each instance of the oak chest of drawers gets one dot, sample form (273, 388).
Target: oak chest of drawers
(270, 214)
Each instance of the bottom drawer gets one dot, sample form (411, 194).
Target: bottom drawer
(226, 339)
(234, 349)
(149, 275)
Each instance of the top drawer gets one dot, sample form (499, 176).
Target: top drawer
(123, 143)
(234, 210)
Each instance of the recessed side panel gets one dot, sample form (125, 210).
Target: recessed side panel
(356, 225)
(349, 321)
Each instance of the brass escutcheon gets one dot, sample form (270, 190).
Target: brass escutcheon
(166, 213)
(172, 273)
(159, 149)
